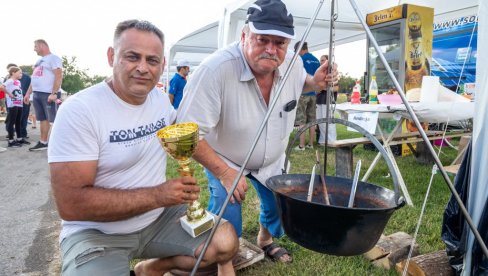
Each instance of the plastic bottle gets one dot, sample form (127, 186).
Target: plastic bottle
(356, 94)
(373, 91)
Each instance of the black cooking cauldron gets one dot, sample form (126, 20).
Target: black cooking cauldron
(332, 229)
(335, 229)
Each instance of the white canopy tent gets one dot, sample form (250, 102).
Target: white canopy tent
(195, 46)
(478, 190)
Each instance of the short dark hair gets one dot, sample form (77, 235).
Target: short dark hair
(140, 25)
(304, 46)
(41, 41)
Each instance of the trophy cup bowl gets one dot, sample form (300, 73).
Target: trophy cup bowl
(180, 141)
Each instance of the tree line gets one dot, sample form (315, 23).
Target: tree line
(346, 83)
(74, 78)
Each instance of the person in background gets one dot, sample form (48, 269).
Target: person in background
(14, 104)
(307, 103)
(322, 110)
(46, 82)
(2, 104)
(228, 97)
(3, 100)
(3, 108)
(178, 82)
(108, 172)
(25, 83)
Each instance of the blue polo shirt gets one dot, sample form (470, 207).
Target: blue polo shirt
(176, 86)
(311, 65)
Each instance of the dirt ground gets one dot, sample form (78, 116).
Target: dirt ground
(30, 222)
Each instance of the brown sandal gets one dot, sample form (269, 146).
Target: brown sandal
(275, 257)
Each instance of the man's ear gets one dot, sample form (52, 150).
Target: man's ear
(163, 63)
(110, 56)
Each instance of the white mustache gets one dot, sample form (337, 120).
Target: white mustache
(267, 56)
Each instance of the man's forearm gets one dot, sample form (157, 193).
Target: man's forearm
(205, 155)
(29, 90)
(58, 78)
(117, 204)
(78, 199)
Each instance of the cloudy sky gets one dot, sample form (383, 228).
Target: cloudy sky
(84, 29)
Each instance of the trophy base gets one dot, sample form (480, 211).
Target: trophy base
(196, 228)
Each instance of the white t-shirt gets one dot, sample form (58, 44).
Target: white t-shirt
(42, 78)
(95, 124)
(13, 87)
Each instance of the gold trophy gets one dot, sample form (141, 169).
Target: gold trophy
(180, 141)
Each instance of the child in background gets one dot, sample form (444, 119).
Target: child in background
(14, 104)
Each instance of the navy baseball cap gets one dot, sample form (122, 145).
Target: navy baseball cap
(270, 17)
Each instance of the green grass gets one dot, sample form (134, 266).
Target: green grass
(307, 262)
(416, 176)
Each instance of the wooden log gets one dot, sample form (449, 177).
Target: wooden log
(463, 142)
(391, 249)
(435, 263)
(344, 161)
(423, 154)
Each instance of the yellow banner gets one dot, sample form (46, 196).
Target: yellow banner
(418, 52)
(418, 47)
(385, 15)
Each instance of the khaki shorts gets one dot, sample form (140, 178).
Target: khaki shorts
(91, 252)
(306, 110)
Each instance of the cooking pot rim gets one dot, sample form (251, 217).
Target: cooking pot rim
(341, 207)
(399, 199)
(396, 204)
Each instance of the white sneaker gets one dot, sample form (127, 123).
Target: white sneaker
(299, 148)
(308, 146)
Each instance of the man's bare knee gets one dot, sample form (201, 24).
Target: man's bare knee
(224, 245)
(228, 241)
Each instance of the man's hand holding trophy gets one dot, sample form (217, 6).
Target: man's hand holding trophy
(180, 141)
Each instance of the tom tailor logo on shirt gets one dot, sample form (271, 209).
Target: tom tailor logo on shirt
(126, 135)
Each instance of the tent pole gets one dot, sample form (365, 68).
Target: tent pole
(281, 85)
(420, 129)
(330, 87)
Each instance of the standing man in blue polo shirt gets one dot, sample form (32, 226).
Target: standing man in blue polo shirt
(178, 82)
(307, 102)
